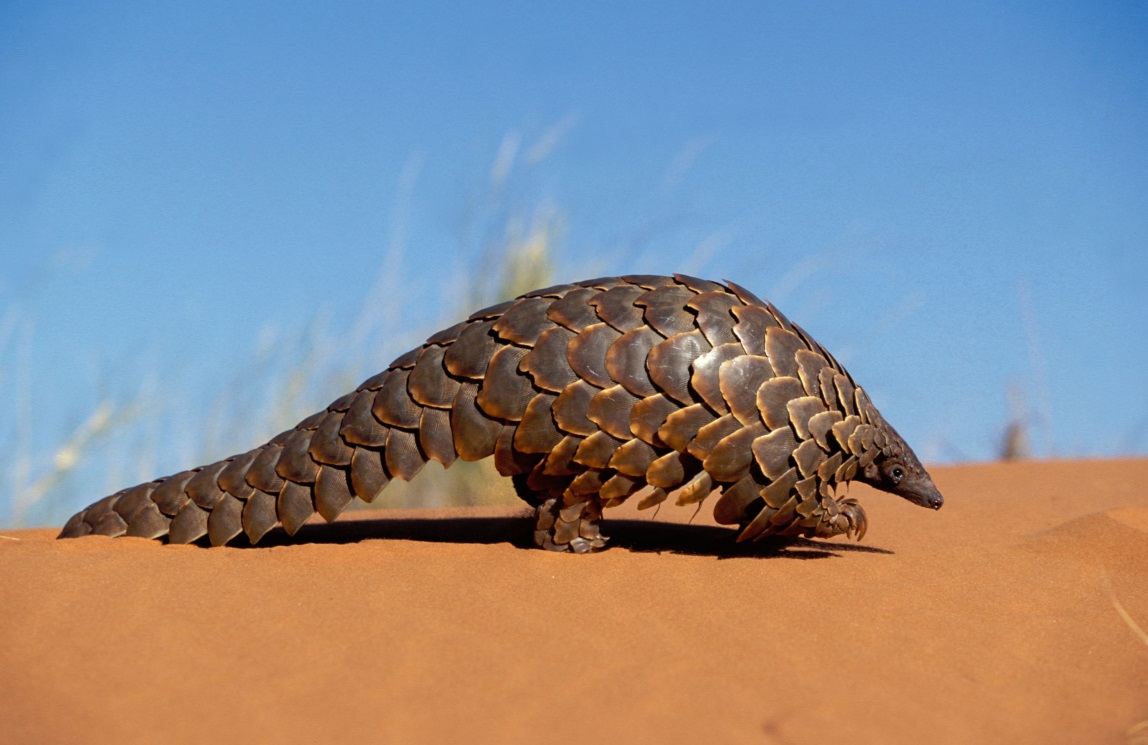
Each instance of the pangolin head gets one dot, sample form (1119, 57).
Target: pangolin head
(898, 471)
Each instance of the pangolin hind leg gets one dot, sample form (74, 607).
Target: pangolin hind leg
(564, 522)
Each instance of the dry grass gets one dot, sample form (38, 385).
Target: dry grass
(29, 475)
(32, 485)
(506, 248)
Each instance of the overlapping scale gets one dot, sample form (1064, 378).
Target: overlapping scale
(524, 321)
(469, 355)
(735, 500)
(546, 362)
(428, 383)
(653, 499)
(698, 285)
(731, 458)
(773, 399)
(393, 404)
(671, 470)
(801, 411)
(360, 427)
(491, 311)
(633, 458)
(505, 393)
(474, 433)
(148, 522)
(368, 474)
(752, 323)
(843, 429)
(262, 473)
(772, 451)
(665, 310)
(739, 380)
(845, 394)
(332, 492)
(226, 520)
(406, 361)
(645, 281)
(435, 437)
(744, 295)
(294, 507)
(809, 367)
(327, 446)
(259, 515)
(706, 374)
(808, 457)
(573, 310)
(714, 318)
(669, 364)
(711, 434)
(695, 490)
(586, 353)
(188, 524)
(605, 283)
(537, 433)
(554, 291)
(619, 486)
(596, 450)
(402, 455)
(168, 494)
(448, 335)
(571, 406)
(232, 479)
(610, 410)
(781, 347)
(626, 360)
(295, 462)
(203, 487)
(560, 460)
(681, 426)
(616, 307)
(648, 417)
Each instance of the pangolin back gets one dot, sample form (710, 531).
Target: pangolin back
(584, 394)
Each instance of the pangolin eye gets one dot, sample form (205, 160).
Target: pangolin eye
(898, 474)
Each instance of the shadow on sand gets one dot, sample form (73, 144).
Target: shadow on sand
(632, 535)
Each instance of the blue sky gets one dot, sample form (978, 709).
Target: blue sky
(951, 196)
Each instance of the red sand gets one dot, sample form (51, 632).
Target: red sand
(1009, 616)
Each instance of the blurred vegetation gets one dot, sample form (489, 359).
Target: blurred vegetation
(1016, 444)
(524, 261)
(506, 249)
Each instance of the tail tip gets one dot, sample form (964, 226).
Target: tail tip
(75, 527)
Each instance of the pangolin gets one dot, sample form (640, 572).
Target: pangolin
(585, 394)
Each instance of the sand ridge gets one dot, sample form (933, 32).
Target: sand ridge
(997, 619)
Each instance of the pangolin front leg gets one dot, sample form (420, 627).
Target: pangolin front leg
(834, 518)
(584, 394)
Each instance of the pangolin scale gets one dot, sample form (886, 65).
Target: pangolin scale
(585, 394)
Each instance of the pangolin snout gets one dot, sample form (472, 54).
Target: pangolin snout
(921, 492)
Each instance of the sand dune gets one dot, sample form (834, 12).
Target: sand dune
(1016, 614)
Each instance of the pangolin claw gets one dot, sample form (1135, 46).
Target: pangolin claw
(858, 522)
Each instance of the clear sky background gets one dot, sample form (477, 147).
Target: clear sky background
(953, 197)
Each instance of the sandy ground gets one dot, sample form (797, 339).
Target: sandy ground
(1014, 615)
